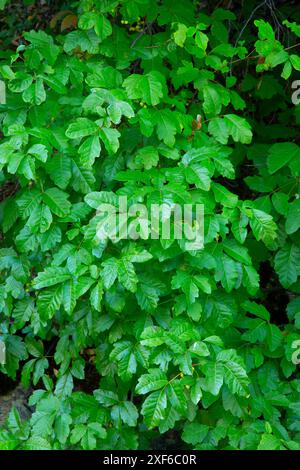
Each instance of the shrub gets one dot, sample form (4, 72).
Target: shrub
(124, 343)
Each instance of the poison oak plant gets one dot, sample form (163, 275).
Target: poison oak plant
(162, 102)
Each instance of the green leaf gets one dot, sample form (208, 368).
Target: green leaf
(50, 300)
(274, 337)
(148, 87)
(263, 226)
(227, 272)
(225, 197)
(96, 296)
(44, 416)
(84, 40)
(3, 3)
(87, 20)
(269, 442)
(39, 151)
(281, 154)
(123, 353)
(236, 251)
(110, 138)
(121, 342)
(125, 412)
(153, 408)
(64, 385)
(110, 272)
(293, 217)
(238, 128)
(35, 94)
(28, 202)
(37, 443)
(212, 104)
(239, 222)
(127, 275)
(198, 175)
(89, 150)
(196, 392)
(235, 375)
(44, 44)
(50, 277)
(147, 157)
(180, 35)
(82, 127)
(83, 178)
(59, 169)
(200, 349)
(176, 396)
(57, 201)
(213, 377)
(100, 23)
(155, 380)
(69, 296)
(287, 264)
(40, 219)
(218, 129)
(166, 126)
(62, 427)
(295, 61)
(55, 84)
(201, 40)
(102, 27)
(194, 433)
(256, 309)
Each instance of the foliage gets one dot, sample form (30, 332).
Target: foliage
(163, 102)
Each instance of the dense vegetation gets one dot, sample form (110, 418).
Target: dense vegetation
(144, 344)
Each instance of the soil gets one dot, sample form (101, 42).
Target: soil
(12, 394)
